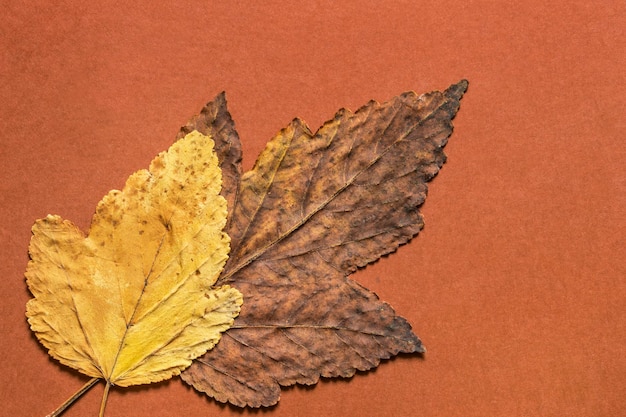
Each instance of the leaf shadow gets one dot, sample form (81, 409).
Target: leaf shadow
(232, 408)
(82, 378)
(136, 389)
(401, 357)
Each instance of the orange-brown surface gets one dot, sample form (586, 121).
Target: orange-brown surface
(516, 285)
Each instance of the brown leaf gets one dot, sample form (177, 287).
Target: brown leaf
(314, 208)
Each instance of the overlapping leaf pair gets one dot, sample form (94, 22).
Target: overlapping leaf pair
(151, 289)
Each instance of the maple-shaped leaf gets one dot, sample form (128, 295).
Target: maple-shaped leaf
(135, 300)
(314, 208)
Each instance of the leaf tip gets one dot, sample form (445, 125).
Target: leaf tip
(220, 99)
(457, 90)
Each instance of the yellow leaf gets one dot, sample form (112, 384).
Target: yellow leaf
(132, 302)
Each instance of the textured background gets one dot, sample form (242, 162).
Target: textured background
(517, 284)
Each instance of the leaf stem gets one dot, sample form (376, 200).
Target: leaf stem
(74, 397)
(104, 399)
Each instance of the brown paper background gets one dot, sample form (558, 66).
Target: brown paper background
(517, 283)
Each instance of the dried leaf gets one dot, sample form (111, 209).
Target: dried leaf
(134, 301)
(314, 208)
